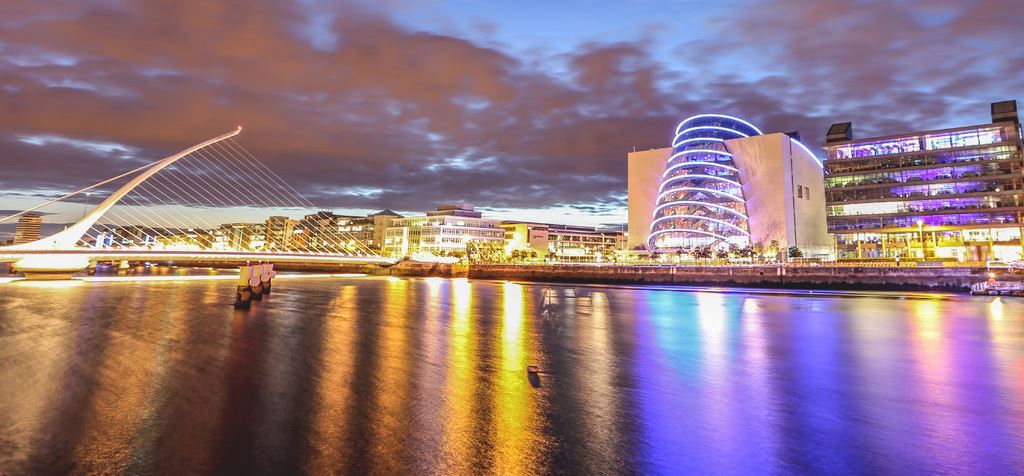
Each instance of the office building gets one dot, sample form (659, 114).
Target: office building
(27, 229)
(325, 230)
(239, 236)
(563, 242)
(725, 184)
(949, 194)
(279, 231)
(368, 230)
(445, 231)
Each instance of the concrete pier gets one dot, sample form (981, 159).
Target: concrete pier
(266, 276)
(243, 294)
(255, 282)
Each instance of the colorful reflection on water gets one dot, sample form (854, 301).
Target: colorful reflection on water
(428, 376)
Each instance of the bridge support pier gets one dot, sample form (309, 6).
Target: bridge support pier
(266, 275)
(256, 282)
(243, 294)
(50, 267)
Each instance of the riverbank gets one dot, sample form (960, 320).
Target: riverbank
(809, 277)
(866, 278)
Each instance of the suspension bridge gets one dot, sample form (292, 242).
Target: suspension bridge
(212, 202)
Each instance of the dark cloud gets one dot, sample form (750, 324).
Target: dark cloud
(369, 114)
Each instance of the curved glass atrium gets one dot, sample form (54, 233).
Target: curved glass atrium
(700, 201)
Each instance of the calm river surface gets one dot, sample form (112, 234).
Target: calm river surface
(428, 376)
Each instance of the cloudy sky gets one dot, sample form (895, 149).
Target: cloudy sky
(525, 108)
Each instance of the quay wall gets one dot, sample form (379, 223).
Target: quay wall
(816, 277)
(939, 279)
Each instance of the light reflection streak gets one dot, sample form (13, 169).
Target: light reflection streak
(281, 385)
(333, 389)
(392, 386)
(717, 391)
(1005, 333)
(760, 393)
(937, 385)
(514, 429)
(664, 393)
(995, 309)
(596, 378)
(129, 376)
(428, 396)
(461, 404)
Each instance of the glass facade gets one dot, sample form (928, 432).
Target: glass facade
(951, 194)
(700, 201)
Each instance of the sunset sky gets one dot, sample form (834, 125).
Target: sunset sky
(525, 109)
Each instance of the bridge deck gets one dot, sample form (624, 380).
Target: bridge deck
(185, 255)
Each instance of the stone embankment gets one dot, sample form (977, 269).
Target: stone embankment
(810, 277)
(940, 279)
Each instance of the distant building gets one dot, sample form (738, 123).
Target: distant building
(279, 231)
(445, 231)
(191, 239)
(135, 235)
(368, 230)
(951, 193)
(563, 242)
(319, 231)
(324, 230)
(27, 229)
(240, 236)
(724, 183)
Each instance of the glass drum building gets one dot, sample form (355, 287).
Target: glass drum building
(724, 183)
(700, 200)
(942, 194)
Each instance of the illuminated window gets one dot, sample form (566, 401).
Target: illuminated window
(963, 139)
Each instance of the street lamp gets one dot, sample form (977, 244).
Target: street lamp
(920, 234)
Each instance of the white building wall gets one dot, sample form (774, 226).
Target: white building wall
(762, 169)
(645, 169)
(809, 230)
(776, 173)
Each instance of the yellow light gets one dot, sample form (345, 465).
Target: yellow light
(996, 309)
(52, 263)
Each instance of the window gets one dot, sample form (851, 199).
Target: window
(799, 191)
(963, 139)
(885, 147)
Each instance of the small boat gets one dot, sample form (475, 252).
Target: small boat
(533, 369)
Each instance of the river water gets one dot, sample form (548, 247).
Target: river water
(428, 376)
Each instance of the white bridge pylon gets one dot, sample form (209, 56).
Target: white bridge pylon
(67, 238)
(219, 176)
